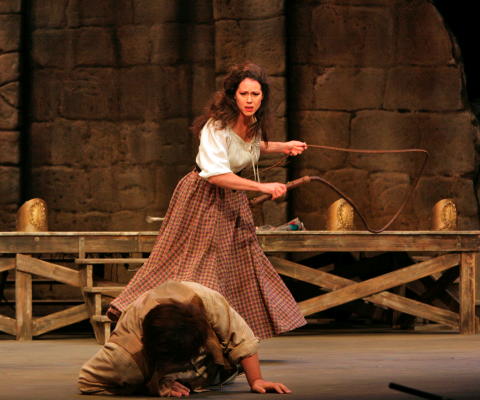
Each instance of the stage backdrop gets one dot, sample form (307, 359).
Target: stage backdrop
(108, 89)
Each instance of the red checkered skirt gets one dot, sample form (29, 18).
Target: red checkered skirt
(208, 236)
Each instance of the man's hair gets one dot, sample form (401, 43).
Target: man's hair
(174, 332)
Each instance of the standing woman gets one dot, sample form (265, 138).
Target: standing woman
(208, 235)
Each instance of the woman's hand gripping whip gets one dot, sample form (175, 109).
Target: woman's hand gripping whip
(300, 181)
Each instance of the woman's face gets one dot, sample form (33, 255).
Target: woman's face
(249, 96)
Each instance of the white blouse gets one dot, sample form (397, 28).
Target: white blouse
(222, 151)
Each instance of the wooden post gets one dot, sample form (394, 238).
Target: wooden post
(23, 303)
(468, 266)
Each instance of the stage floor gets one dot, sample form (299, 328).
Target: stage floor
(315, 365)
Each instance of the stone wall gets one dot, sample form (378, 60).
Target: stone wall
(112, 101)
(116, 83)
(10, 28)
(381, 74)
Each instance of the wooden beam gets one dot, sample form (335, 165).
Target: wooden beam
(7, 267)
(384, 299)
(271, 241)
(468, 267)
(48, 270)
(23, 304)
(8, 325)
(59, 319)
(378, 284)
(95, 261)
(321, 241)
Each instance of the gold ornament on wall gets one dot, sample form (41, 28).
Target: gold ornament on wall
(444, 216)
(340, 216)
(32, 216)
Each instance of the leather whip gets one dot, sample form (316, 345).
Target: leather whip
(306, 179)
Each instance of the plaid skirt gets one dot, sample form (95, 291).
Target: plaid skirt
(208, 236)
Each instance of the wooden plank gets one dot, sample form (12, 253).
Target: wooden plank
(315, 241)
(379, 284)
(69, 242)
(95, 261)
(23, 305)
(384, 299)
(7, 267)
(112, 291)
(48, 270)
(60, 319)
(8, 325)
(469, 262)
(271, 241)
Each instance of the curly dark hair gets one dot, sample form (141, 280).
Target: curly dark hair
(174, 333)
(223, 107)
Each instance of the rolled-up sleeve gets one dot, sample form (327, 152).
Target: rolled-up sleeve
(212, 157)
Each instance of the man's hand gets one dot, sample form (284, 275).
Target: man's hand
(261, 386)
(176, 389)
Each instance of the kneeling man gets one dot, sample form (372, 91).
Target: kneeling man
(176, 338)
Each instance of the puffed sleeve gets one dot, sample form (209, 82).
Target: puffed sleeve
(212, 157)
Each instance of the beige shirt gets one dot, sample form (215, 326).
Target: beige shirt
(222, 151)
(120, 366)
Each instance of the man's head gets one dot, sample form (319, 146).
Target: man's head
(173, 333)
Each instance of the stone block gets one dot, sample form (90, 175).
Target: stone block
(9, 147)
(449, 137)
(129, 221)
(428, 88)
(63, 188)
(135, 46)
(9, 67)
(387, 191)
(10, 6)
(49, 14)
(351, 36)
(59, 143)
(278, 95)
(202, 11)
(89, 93)
(7, 217)
(381, 130)
(300, 32)
(100, 143)
(422, 37)
(95, 12)
(259, 41)
(166, 42)
(348, 88)
(327, 128)
(247, 9)
(148, 12)
(8, 115)
(10, 189)
(50, 48)
(11, 93)
(278, 131)
(202, 44)
(166, 180)
(9, 33)
(93, 47)
(134, 187)
(154, 92)
(203, 86)
(47, 86)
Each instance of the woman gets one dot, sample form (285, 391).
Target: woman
(208, 235)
